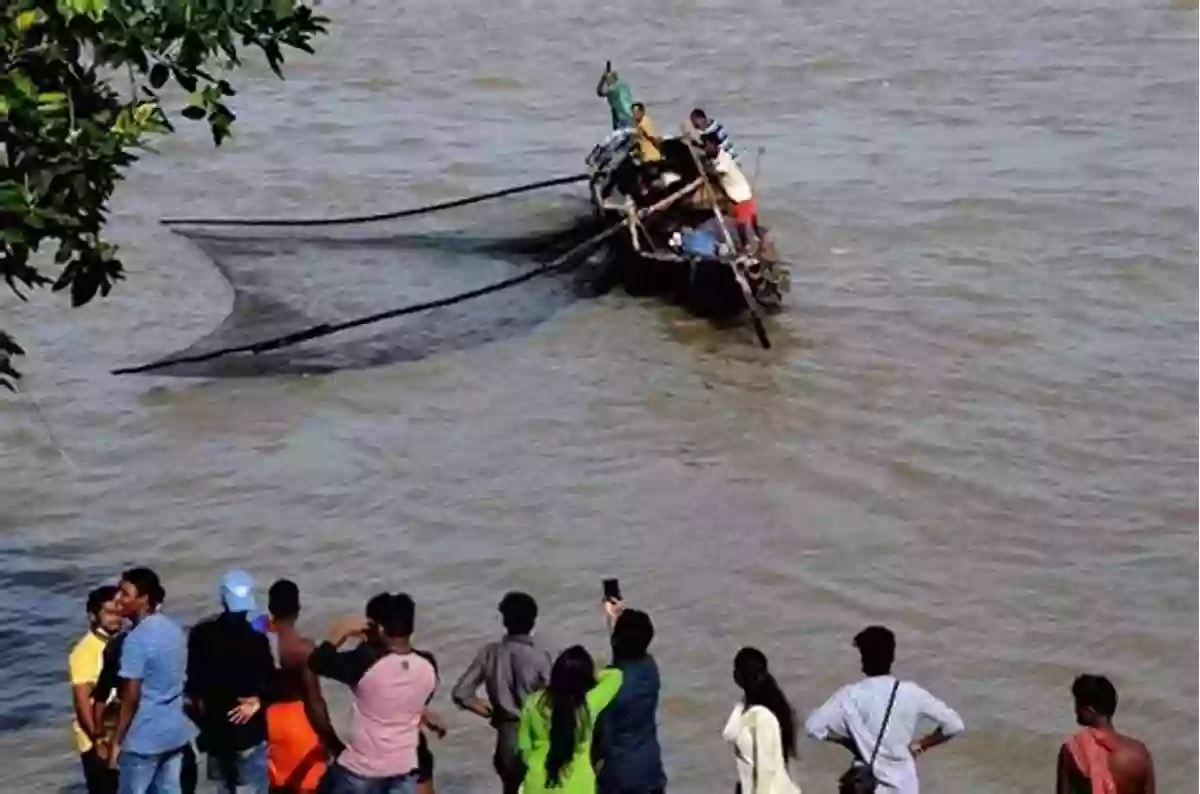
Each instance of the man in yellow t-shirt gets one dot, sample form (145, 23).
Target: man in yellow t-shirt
(83, 667)
(648, 140)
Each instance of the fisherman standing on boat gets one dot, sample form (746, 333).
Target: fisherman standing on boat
(736, 187)
(700, 125)
(619, 95)
(648, 139)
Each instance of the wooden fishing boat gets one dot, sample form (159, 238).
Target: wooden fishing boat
(688, 250)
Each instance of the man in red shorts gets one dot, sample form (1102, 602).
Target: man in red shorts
(736, 187)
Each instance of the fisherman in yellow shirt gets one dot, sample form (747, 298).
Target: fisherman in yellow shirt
(83, 667)
(648, 139)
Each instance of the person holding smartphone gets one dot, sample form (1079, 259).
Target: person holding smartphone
(626, 746)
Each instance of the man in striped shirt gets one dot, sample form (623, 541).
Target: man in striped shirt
(703, 126)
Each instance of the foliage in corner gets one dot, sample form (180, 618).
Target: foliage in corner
(68, 131)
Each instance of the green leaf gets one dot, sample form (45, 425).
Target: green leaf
(159, 75)
(8, 374)
(66, 277)
(13, 235)
(220, 130)
(60, 55)
(137, 55)
(184, 79)
(21, 82)
(84, 286)
(27, 19)
(9, 345)
(12, 197)
(83, 289)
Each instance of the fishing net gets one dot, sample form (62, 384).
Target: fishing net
(315, 297)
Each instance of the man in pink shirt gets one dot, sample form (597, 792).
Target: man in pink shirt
(392, 684)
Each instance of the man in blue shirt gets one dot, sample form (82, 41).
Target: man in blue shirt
(627, 732)
(702, 126)
(152, 730)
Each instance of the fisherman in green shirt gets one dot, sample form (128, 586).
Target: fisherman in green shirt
(619, 96)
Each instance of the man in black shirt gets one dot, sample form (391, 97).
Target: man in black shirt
(230, 672)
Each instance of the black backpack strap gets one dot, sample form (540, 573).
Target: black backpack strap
(887, 715)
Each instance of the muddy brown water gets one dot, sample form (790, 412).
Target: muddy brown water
(977, 424)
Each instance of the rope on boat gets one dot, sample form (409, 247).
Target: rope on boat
(382, 216)
(325, 329)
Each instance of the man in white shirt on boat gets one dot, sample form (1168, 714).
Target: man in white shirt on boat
(736, 187)
(854, 715)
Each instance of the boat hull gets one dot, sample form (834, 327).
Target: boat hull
(681, 253)
(707, 287)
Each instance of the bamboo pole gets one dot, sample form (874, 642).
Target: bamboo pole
(751, 302)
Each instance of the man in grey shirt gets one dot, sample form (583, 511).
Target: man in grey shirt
(509, 671)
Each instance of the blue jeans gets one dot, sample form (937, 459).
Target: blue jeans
(340, 780)
(150, 774)
(244, 772)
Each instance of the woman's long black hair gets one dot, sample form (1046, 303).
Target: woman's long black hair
(572, 676)
(751, 674)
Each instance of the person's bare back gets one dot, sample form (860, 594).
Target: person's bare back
(1098, 758)
(294, 650)
(1131, 765)
(296, 682)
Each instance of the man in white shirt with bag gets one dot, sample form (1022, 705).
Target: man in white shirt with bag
(855, 717)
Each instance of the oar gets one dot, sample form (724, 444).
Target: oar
(751, 302)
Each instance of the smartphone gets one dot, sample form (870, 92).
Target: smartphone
(612, 590)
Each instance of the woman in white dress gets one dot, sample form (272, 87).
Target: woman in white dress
(762, 728)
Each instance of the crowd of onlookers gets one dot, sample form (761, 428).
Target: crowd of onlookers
(244, 687)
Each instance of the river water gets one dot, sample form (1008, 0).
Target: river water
(977, 424)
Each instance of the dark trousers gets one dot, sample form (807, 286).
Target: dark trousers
(100, 779)
(190, 777)
(507, 758)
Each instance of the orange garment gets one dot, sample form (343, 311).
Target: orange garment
(1089, 749)
(295, 755)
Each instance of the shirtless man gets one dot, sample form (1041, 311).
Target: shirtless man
(1097, 759)
(300, 733)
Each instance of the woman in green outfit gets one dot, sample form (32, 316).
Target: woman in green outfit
(555, 735)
